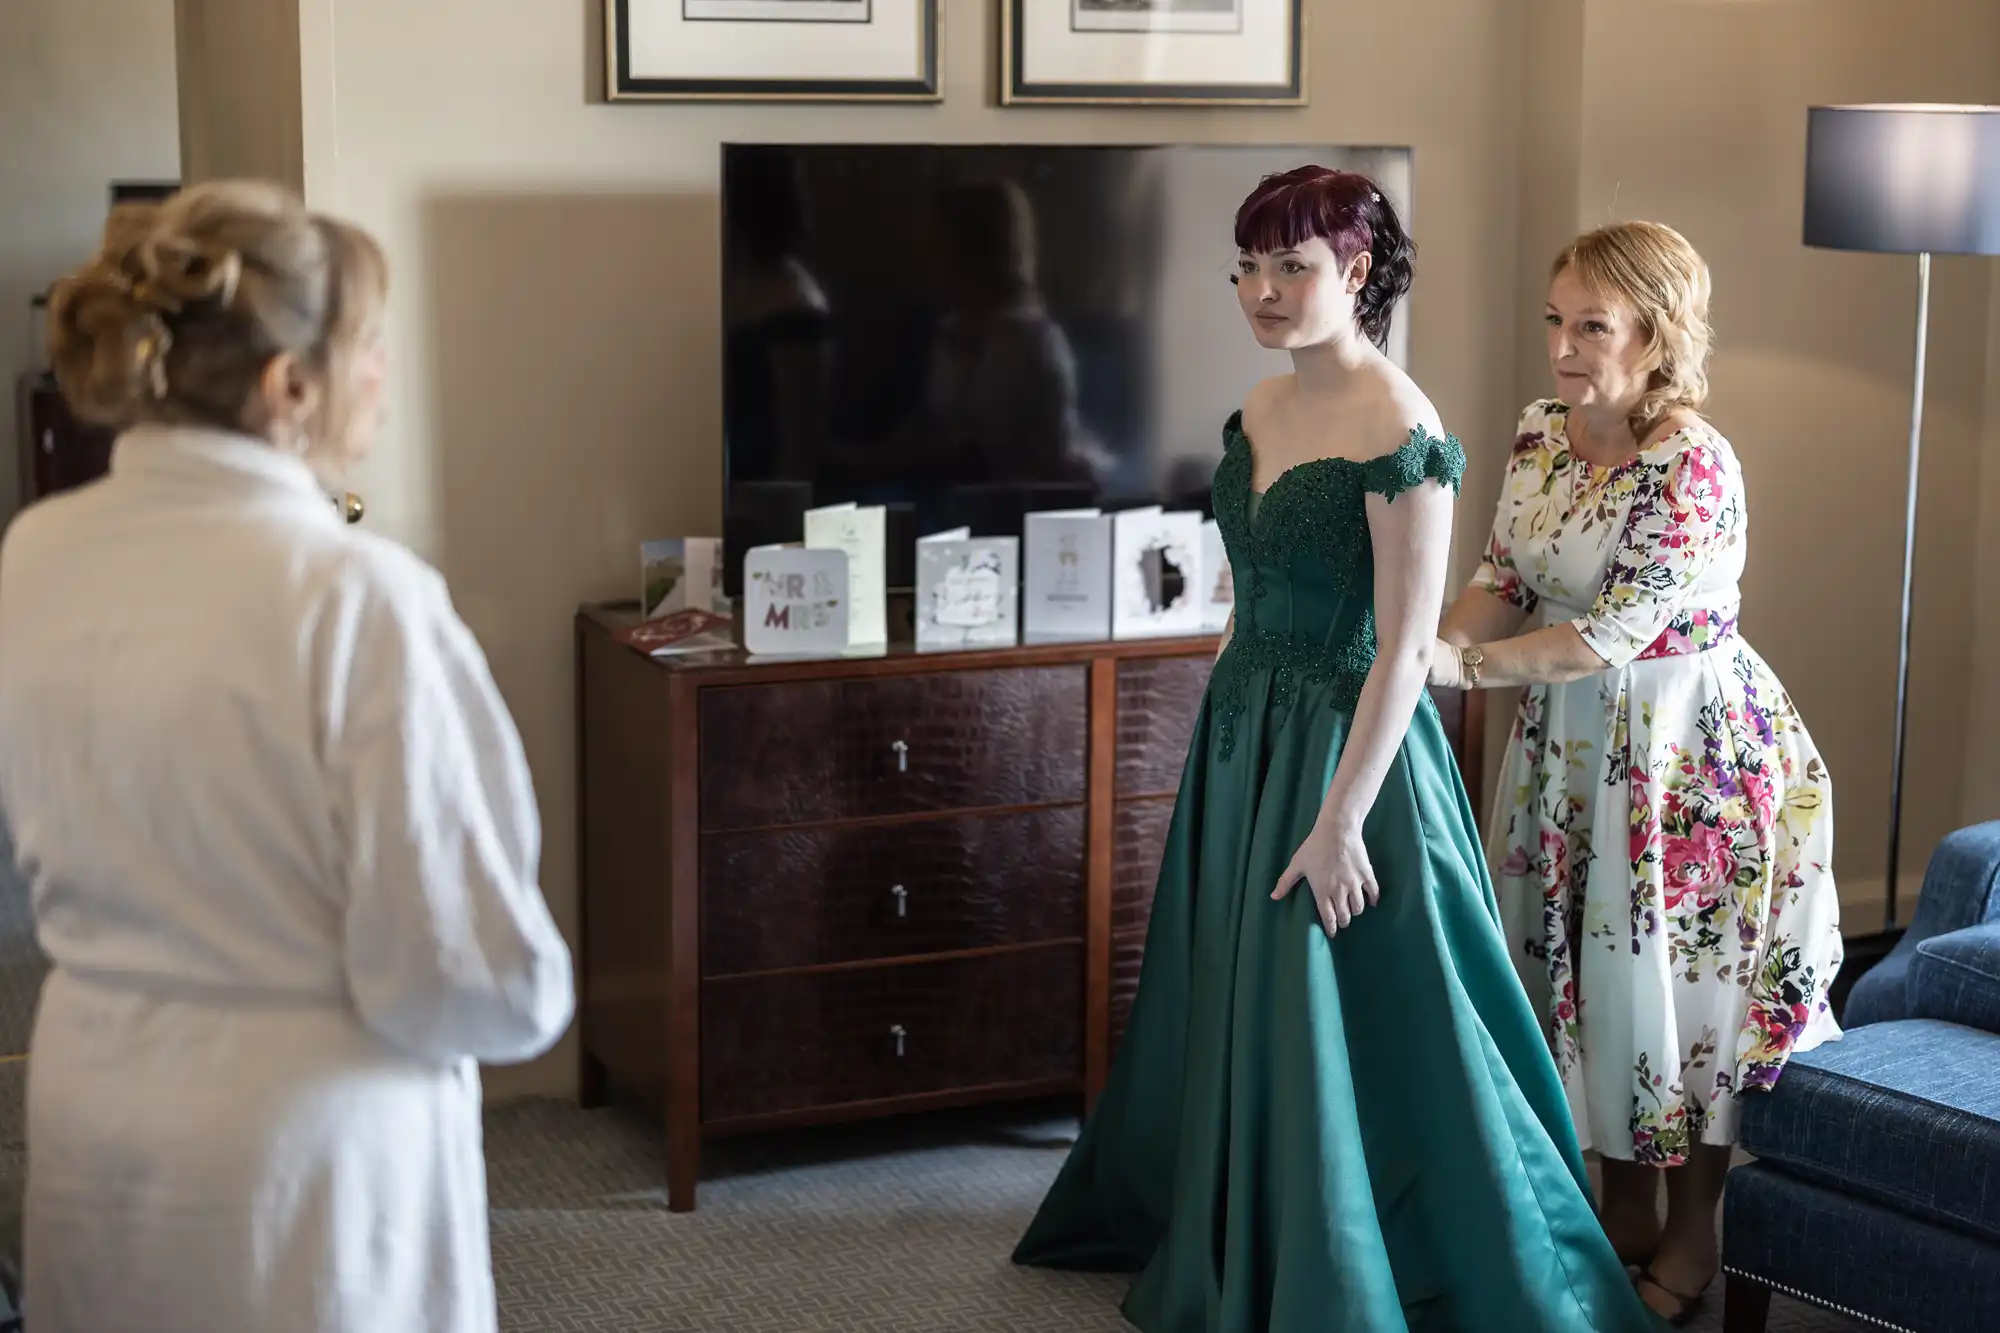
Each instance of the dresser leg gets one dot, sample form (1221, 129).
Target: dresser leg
(683, 1170)
(592, 1083)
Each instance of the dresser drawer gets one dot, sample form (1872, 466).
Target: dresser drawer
(822, 1039)
(795, 897)
(1128, 955)
(1138, 842)
(1158, 703)
(820, 751)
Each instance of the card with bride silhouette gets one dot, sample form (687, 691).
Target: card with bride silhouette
(1157, 585)
(1220, 601)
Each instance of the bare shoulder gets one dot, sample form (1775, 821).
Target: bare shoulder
(1264, 397)
(1401, 410)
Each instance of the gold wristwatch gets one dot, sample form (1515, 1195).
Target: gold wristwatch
(1469, 658)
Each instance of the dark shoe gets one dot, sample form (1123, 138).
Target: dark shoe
(1683, 1305)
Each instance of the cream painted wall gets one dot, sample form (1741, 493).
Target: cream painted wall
(1981, 797)
(1812, 374)
(554, 320)
(240, 100)
(1547, 215)
(554, 323)
(86, 98)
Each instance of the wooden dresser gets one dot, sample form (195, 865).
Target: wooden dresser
(56, 451)
(814, 891)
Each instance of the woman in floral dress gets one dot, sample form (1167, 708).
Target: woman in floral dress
(1663, 834)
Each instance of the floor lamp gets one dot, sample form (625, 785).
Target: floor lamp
(1913, 180)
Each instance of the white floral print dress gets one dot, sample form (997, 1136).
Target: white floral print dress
(1663, 834)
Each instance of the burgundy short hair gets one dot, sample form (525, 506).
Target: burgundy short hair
(1347, 211)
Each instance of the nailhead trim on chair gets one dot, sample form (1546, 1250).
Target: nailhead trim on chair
(1811, 1299)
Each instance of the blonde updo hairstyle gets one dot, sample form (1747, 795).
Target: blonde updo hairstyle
(188, 301)
(1652, 270)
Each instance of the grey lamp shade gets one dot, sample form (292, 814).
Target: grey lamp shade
(1904, 179)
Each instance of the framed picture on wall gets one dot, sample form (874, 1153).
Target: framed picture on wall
(772, 50)
(1153, 52)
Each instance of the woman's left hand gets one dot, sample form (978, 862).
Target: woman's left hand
(1447, 669)
(1333, 865)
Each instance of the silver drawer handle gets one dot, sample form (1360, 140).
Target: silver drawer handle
(898, 1033)
(902, 749)
(902, 896)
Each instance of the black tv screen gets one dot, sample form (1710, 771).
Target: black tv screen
(969, 333)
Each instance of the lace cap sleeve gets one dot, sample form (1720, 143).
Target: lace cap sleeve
(1423, 457)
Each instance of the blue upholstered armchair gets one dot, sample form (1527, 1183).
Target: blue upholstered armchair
(1876, 1185)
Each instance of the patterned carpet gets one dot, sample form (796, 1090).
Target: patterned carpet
(886, 1228)
(883, 1228)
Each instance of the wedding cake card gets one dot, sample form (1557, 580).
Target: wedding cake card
(1069, 575)
(968, 590)
(1216, 577)
(1156, 584)
(795, 602)
(861, 533)
(680, 574)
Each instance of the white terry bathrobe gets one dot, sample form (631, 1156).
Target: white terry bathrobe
(283, 851)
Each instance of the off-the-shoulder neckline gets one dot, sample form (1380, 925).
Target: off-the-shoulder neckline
(1420, 437)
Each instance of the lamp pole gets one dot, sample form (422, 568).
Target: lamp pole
(1909, 568)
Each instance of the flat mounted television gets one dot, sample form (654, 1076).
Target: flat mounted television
(970, 333)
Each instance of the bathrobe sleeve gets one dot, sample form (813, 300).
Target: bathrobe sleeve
(449, 947)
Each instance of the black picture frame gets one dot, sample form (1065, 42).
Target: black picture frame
(622, 85)
(143, 192)
(1017, 90)
(867, 6)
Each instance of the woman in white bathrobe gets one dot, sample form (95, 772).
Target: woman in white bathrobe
(279, 829)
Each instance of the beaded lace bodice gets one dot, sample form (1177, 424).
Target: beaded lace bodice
(1304, 568)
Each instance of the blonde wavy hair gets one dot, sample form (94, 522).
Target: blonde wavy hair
(186, 303)
(1652, 270)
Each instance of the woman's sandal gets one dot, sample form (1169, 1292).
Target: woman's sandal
(1684, 1305)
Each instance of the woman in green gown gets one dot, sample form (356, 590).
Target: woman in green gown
(1333, 1110)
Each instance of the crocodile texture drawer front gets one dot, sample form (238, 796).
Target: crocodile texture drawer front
(821, 751)
(795, 897)
(1128, 954)
(1158, 703)
(795, 1042)
(1138, 841)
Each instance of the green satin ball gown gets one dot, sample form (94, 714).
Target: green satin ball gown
(1301, 1135)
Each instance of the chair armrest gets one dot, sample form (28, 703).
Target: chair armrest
(1961, 889)
(1955, 978)
(1961, 884)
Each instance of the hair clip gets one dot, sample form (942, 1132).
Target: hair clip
(150, 356)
